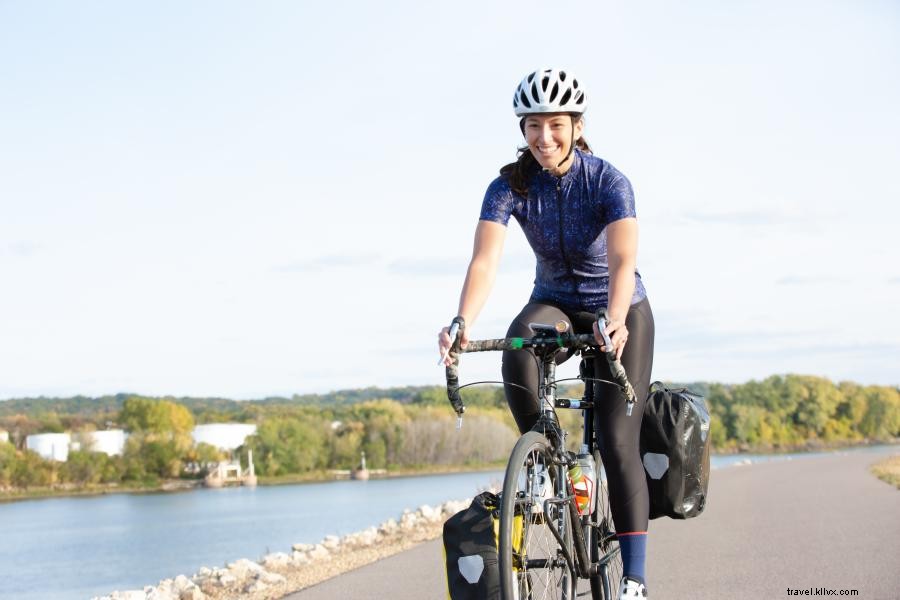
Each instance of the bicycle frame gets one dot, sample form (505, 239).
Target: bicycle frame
(548, 424)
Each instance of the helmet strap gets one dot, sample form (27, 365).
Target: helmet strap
(571, 147)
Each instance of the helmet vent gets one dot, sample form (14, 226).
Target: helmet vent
(565, 98)
(554, 92)
(562, 76)
(524, 99)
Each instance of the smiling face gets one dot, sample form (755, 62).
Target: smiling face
(550, 138)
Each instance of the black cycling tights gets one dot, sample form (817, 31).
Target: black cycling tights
(618, 434)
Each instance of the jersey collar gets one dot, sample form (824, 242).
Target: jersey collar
(569, 175)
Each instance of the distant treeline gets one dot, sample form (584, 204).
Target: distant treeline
(410, 427)
(293, 437)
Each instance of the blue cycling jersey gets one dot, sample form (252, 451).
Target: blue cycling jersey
(564, 219)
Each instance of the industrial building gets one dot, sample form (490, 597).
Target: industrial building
(110, 441)
(225, 436)
(51, 446)
(56, 446)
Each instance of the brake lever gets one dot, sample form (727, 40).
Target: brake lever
(614, 363)
(601, 326)
(454, 330)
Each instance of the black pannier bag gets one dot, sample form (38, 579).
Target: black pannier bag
(675, 452)
(470, 550)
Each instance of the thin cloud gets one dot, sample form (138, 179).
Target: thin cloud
(519, 261)
(785, 351)
(811, 280)
(454, 266)
(757, 218)
(434, 267)
(23, 248)
(328, 262)
(691, 336)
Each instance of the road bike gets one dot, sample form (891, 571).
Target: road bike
(544, 546)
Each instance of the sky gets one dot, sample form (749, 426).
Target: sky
(257, 199)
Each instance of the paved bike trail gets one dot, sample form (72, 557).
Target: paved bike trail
(816, 523)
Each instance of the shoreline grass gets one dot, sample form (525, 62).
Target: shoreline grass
(888, 470)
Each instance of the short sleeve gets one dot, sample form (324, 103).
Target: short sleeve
(498, 202)
(618, 196)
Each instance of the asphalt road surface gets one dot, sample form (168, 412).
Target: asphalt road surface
(818, 523)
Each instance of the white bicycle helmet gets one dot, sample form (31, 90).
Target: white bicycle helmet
(549, 91)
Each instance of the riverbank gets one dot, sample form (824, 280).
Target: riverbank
(9, 494)
(806, 446)
(275, 575)
(68, 490)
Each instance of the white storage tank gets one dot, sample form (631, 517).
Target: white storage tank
(51, 446)
(226, 436)
(110, 441)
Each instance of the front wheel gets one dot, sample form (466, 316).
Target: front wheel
(604, 546)
(536, 544)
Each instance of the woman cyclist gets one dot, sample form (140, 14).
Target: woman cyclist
(577, 213)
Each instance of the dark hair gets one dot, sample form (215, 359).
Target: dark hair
(518, 173)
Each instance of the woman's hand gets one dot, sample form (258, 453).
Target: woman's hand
(618, 334)
(444, 343)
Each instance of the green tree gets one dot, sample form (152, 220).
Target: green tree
(717, 432)
(85, 467)
(289, 445)
(7, 462)
(818, 401)
(31, 470)
(746, 422)
(346, 444)
(156, 416)
(882, 417)
(204, 454)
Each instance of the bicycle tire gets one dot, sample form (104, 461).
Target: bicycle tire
(531, 558)
(604, 545)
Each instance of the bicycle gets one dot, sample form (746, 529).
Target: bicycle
(544, 546)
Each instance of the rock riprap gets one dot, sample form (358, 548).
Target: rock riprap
(281, 573)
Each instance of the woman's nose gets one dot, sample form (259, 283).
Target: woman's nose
(546, 134)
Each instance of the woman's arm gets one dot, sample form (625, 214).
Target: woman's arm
(621, 252)
(489, 238)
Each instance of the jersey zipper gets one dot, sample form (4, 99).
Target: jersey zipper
(562, 248)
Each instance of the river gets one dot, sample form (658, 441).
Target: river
(76, 548)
